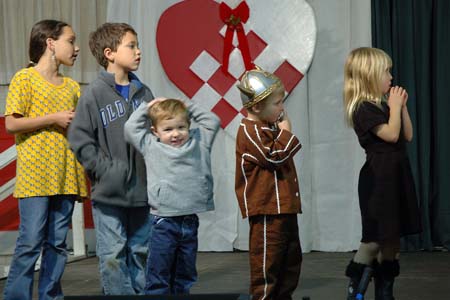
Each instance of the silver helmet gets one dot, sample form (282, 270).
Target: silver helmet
(256, 85)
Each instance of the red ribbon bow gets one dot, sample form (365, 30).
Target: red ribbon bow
(234, 19)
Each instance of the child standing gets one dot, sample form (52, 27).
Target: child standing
(387, 196)
(115, 168)
(180, 185)
(267, 186)
(39, 108)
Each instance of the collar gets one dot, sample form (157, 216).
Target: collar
(107, 77)
(259, 123)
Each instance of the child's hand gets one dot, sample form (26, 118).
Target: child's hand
(284, 122)
(405, 100)
(156, 100)
(63, 118)
(397, 97)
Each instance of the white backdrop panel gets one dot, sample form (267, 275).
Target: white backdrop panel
(329, 162)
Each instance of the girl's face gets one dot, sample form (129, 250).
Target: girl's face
(386, 81)
(65, 49)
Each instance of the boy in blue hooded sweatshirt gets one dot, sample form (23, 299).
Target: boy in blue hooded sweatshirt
(115, 168)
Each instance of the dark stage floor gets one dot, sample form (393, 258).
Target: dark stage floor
(425, 275)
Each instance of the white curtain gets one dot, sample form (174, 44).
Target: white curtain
(329, 163)
(17, 17)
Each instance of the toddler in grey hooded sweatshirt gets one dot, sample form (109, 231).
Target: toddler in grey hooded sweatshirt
(179, 178)
(179, 185)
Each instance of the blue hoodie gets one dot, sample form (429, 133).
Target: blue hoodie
(115, 168)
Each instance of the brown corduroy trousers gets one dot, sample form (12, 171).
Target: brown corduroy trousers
(275, 256)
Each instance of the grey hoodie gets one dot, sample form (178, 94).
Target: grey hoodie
(115, 168)
(179, 179)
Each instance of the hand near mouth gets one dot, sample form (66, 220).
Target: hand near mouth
(284, 122)
(397, 96)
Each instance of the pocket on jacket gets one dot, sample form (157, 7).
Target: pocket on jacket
(113, 181)
(186, 194)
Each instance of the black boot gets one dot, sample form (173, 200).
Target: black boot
(384, 276)
(359, 275)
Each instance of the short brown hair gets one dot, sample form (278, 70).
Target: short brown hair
(167, 109)
(108, 35)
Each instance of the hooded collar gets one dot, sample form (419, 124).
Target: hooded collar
(110, 80)
(135, 83)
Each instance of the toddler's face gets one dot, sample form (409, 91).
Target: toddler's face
(272, 108)
(173, 132)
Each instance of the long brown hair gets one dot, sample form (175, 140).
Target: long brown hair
(40, 32)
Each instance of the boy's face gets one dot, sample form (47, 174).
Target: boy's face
(128, 55)
(173, 132)
(269, 110)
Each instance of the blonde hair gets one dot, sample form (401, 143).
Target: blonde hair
(363, 74)
(168, 109)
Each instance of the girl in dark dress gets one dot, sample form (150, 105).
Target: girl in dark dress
(387, 196)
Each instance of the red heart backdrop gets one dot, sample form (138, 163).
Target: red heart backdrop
(9, 219)
(190, 39)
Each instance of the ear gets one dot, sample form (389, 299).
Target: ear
(50, 44)
(257, 108)
(153, 129)
(109, 54)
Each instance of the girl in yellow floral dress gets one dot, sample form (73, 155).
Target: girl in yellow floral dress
(39, 108)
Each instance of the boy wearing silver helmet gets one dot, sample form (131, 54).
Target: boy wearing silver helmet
(267, 188)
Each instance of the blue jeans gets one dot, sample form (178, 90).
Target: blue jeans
(44, 222)
(172, 255)
(122, 246)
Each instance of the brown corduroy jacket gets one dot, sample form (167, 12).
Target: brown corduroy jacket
(266, 180)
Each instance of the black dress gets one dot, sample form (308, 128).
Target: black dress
(387, 195)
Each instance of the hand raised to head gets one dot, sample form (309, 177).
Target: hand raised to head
(155, 100)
